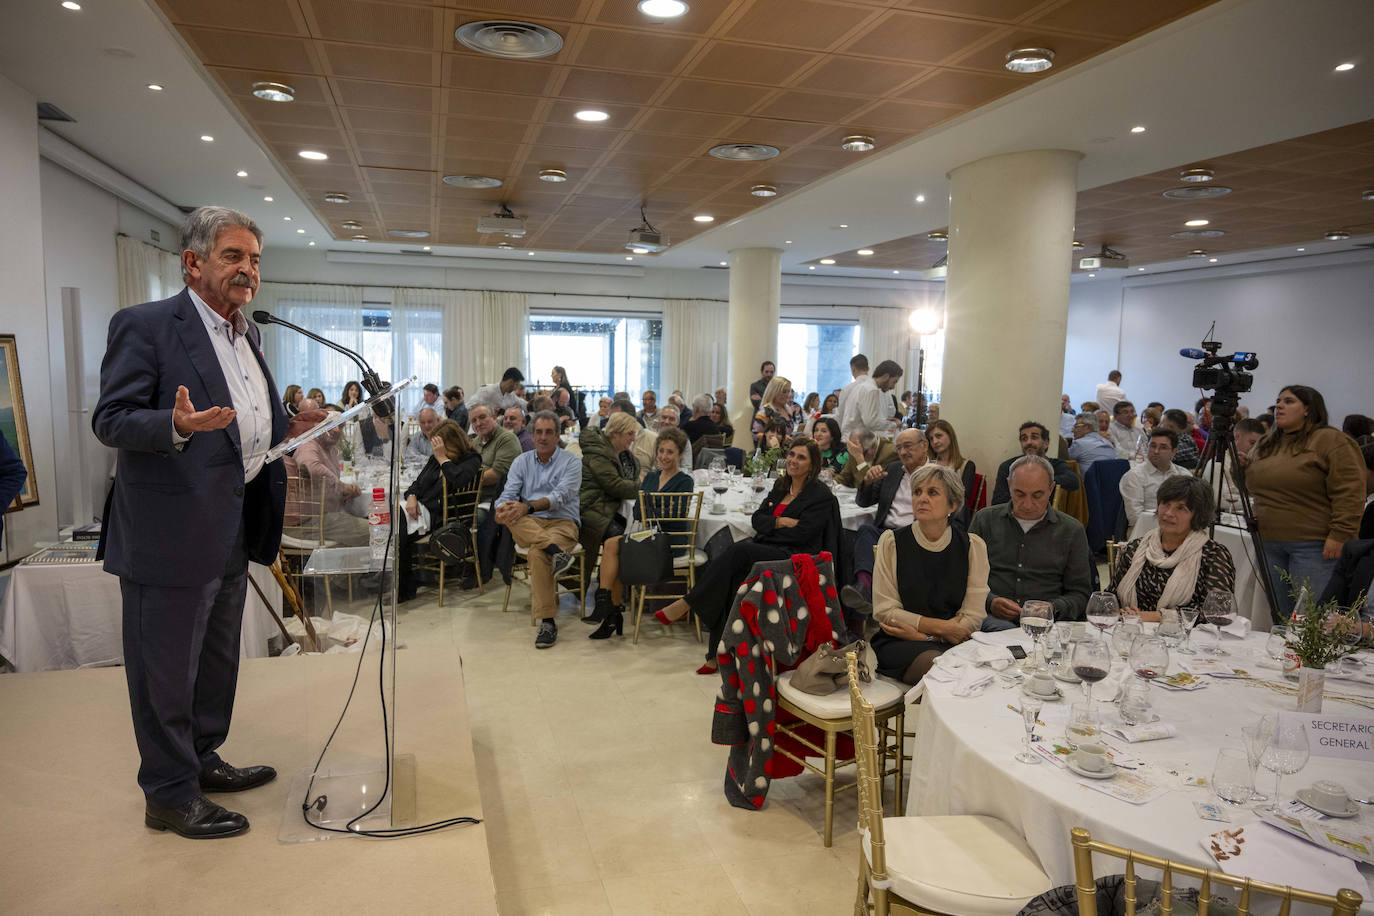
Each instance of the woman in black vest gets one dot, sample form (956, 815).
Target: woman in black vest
(930, 580)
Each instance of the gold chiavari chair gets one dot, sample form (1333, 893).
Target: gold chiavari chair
(305, 533)
(1344, 902)
(571, 582)
(932, 866)
(676, 514)
(456, 506)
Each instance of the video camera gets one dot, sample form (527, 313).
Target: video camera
(1224, 374)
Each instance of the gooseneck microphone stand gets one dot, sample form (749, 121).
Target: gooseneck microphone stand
(370, 380)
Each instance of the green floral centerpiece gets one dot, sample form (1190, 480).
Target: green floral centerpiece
(762, 462)
(1318, 635)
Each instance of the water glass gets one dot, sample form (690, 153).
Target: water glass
(1277, 643)
(1036, 618)
(1231, 776)
(1083, 726)
(1149, 657)
(1171, 630)
(1030, 711)
(1125, 634)
(1136, 708)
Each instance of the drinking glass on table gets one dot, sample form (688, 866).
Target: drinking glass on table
(1030, 711)
(1286, 751)
(1276, 644)
(1255, 742)
(1125, 634)
(1103, 610)
(1171, 630)
(1231, 777)
(760, 484)
(720, 484)
(717, 465)
(1348, 626)
(1149, 657)
(1092, 661)
(781, 468)
(1219, 609)
(1036, 618)
(1189, 615)
(1083, 725)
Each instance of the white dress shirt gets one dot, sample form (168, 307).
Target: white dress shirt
(901, 514)
(845, 393)
(863, 408)
(490, 396)
(1126, 439)
(1108, 393)
(1140, 484)
(248, 393)
(1066, 421)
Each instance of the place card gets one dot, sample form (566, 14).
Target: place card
(1343, 737)
(1181, 680)
(1217, 668)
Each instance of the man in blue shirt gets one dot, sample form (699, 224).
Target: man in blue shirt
(540, 507)
(1088, 444)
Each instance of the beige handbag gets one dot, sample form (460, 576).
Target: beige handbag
(824, 671)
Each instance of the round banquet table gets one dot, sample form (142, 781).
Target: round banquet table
(963, 761)
(1250, 598)
(740, 503)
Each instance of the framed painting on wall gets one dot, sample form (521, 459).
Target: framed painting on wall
(13, 423)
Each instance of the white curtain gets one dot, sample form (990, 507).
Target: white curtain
(484, 331)
(145, 273)
(694, 346)
(334, 312)
(885, 333)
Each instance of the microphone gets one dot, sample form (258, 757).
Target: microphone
(370, 381)
(1186, 352)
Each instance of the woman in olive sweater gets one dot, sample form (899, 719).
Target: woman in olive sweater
(610, 475)
(1307, 481)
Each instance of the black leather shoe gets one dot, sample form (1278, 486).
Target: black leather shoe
(226, 778)
(198, 819)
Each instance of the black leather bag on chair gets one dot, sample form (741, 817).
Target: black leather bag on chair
(645, 557)
(451, 542)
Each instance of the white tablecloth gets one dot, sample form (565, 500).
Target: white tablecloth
(965, 747)
(1250, 598)
(68, 616)
(740, 503)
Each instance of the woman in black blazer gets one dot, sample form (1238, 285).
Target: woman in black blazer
(455, 464)
(800, 515)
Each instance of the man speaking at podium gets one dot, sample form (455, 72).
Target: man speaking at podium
(186, 398)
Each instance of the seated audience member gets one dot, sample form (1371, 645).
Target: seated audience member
(867, 450)
(1155, 405)
(1357, 426)
(644, 438)
(539, 504)
(454, 408)
(1150, 417)
(513, 419)
(1176, 564)
(352, 396)
(702, 423)
(1366, 444)
(1104, 425)
(318, 460)
(453, 463)
(1187, 454)
(1088, 444)
(811, 407)
(316, 396)
(668, 477)
(834, 453)
(774, 435)
(1091, 407)
(776, 398)
(417, 448)
(645, 445)
(500, 395)
(889, 488)
(1203, 408)
(498, 446)
(800, 515)
(1138, 485)
(610, 475)
(944, 449)
(1199, 436)
(542, 402)
(830, 407)
(1248, 432)
(932, 413)
(291, 399)
(603, 412)
(1066, 416)
(722, 421)
(1125, 432)
(1035, 440)
(930, 580)
(562, 400)
(1350, 582)
(1034, 551)
(649, 415)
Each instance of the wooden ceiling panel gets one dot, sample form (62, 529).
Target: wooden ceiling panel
(858, 76)
(599, 138)
(761, 65)
(811, 106)
(388, 159)
(303, 137)
(637, 52)
(260, 112)
(912, 36)
(270, 16)
(359, 94)
(664, 145)
(375, 23)
(1003, 10)
(484, 129)
(702, 17)
(379, 177)
(279, 54)
(911, 117)
(491, 104)
(605, 86)
(392, 143)
(400, 122)
(564, 157)
(782, 134)
(799, 23)
(961, 89)
(470, 70)
(393, 65)
(686, 123)
(721, 98)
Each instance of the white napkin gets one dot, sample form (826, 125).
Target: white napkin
(418, 525)
(1239, 627)
(965, 678)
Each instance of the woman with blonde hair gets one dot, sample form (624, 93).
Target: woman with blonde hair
(774, 406)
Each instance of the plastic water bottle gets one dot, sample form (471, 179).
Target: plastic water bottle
(378, 524)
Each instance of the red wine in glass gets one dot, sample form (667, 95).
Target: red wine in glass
(1147, 673)
(1090, 673)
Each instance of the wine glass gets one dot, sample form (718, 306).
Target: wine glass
(760, 484)
(1276, 645)
(1030, 711)
(720, 483)
(1286, 751)
(1103, 610)
(1149, 657)
(1348, 627)
(1092, 661)
(1255, 742)
(1189, 615)
(1036, 618)
(1220, 610)
(781, 468)
(717, 465)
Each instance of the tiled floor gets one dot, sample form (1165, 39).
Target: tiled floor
(602, 789)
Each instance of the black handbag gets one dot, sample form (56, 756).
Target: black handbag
(451, 542)
(646, 557)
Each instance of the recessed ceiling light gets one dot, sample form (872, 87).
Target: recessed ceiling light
(1029, 60)
(408, 233)
(313, 155)
(426, 248)
(639, 251)
(1340, 68)
(628, 258)
(724, 263)
(268, 199)
(744, 152)
(300, 232)
(703, 218)
(286, 218)
(920, 198)
(206, 138)
(1193, 223)
(938, 236)
(240, 174)
(530, 253)
(858, 143)
(1367, 194)
(473, 182)
(1092, 275)
(1301, 249)
(827, 260)
(591, 114)
(1196, 192)
(1211, 260)
(1197, 253)
(764, 190)
(1140, 268)
(865, 252)
(336, 197)
(844, 225)
(811, 267)
(360, 238)
(351, 224)
(896, 271)
(1337, 235)
(274, 92)
(505, 38)
(554, 175)
(155, 87)
(505, 245)
(662, 9)
(1138, 129)
(788, 242)
(71, 5)
(1196, 175)
(311, 244)
(1077, 245)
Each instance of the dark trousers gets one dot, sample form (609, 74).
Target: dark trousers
(181, 661)
(864, 543)
(714, 594)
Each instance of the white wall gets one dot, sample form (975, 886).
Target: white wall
(21, 311)
(1311, 320)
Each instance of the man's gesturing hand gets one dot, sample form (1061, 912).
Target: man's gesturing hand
(188, 420)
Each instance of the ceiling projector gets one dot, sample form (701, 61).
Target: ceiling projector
(504, 222)
(1107, 259)
(647, 239)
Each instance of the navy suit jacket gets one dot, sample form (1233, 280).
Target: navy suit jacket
(172, 515)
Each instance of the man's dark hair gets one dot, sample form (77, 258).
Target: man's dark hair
(431, 388)
(1193, 492)
(1155, 404)
(858, 362)
(888, 368)
(765, 364)
(1114, 375)
(1160, 432)
(453, 392)
(1177, 417)
(1251, 425)
(624, 405)
(1366, 444)
(1029, 424)
(1120, 406)
(512, 373)
(1201, 403)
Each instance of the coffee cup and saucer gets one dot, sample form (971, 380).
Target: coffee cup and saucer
(1091, 760)
(1329, 798)
(1041, 685)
